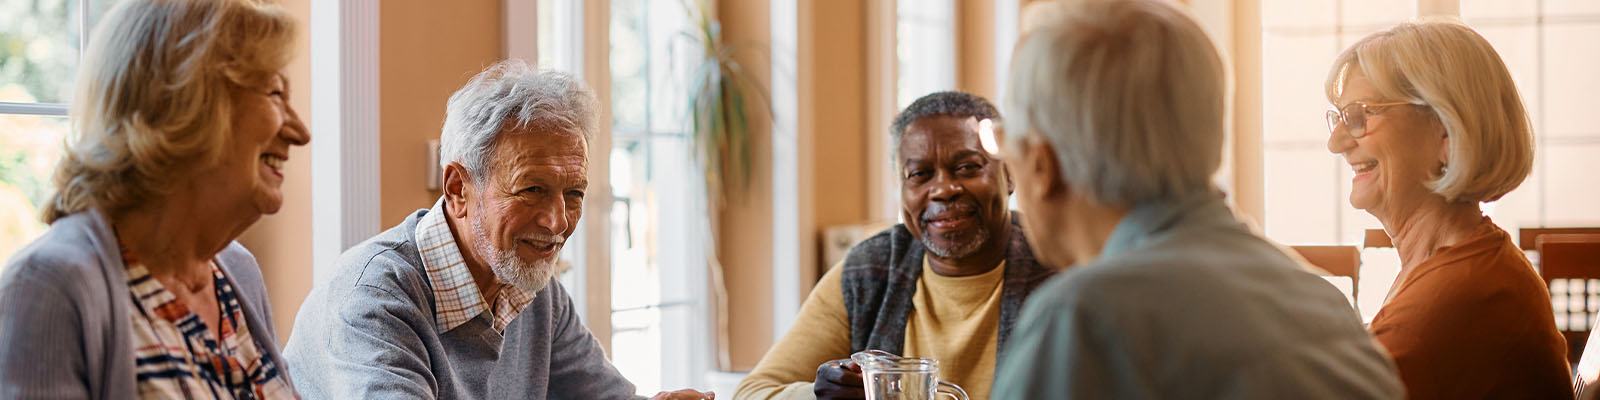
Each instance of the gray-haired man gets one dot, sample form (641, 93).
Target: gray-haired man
(457, 302)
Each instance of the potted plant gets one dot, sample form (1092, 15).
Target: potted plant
(720, 95)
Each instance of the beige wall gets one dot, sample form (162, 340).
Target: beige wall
(427, 50)
(746, 245)
(835, 112)
(282, 242)
(975, 48)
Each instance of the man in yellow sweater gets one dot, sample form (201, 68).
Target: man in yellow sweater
(946, 284)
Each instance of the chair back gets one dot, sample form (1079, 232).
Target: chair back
(1570, 266)
(1342, 261)
(1337, 260)
(1527, 238)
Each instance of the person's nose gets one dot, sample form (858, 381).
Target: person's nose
(1340, 141)
(294, 130)
(553, 217)
(945, 187)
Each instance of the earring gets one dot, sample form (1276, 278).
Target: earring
(1443, 167)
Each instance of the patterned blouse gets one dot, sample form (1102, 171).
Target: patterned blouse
(177, 357)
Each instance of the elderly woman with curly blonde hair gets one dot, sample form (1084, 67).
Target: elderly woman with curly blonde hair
(1429, 118)
(180, 129)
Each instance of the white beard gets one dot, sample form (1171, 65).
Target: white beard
(530, 276)
(958, 250)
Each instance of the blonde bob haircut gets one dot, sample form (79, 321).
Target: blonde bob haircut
(153, 98)
(1448, 67)
(1130, 94)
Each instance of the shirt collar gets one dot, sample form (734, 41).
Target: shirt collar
(456, 296)
(1147, 220)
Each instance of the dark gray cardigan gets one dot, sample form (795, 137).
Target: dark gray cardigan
(64, 328)
(880, 276)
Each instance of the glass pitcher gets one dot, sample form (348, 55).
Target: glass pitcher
(891, 377)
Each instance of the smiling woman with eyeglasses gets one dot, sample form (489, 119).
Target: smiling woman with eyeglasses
(1429, 119)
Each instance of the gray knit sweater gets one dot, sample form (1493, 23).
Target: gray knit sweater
(369, 333)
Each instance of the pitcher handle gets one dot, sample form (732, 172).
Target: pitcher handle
(950, 389)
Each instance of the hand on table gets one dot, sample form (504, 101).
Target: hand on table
(838, 379)
(685, 394)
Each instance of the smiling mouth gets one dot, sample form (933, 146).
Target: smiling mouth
(1364, 167)
(542, 247)
(274, 161)
(950, 220)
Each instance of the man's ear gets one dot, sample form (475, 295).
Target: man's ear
(1044, 167)
(1011, 182)
(457, 188)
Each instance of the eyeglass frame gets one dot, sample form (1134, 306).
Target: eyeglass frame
(1336, 116)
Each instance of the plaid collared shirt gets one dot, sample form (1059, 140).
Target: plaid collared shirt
(455, 294)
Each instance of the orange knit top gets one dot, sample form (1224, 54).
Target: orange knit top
(1474, 321)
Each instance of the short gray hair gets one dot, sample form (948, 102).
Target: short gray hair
(511, 95)
(1130, 94)
(948, 103)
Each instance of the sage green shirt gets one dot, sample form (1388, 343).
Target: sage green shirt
(1186, 302)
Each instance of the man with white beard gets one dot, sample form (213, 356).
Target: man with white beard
(457, 302)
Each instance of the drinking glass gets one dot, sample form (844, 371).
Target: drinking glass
(891, 377)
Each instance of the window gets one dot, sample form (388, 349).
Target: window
(925, 58)
(1549, 49)
(658, 267)
(40, 44)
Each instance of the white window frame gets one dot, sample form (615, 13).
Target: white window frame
(345, 96)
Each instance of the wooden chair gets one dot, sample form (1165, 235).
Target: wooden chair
(1575, 259)
(1337, 261)
(1527, 237)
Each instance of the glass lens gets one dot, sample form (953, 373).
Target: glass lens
(1355, 119)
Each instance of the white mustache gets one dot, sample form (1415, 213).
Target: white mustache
(936, 208)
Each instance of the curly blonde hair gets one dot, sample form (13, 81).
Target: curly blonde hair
(153, 96)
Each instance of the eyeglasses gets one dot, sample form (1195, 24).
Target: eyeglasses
(1354, 117)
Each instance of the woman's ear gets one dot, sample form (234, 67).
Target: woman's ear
(1444, 152)
(1444, 142)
